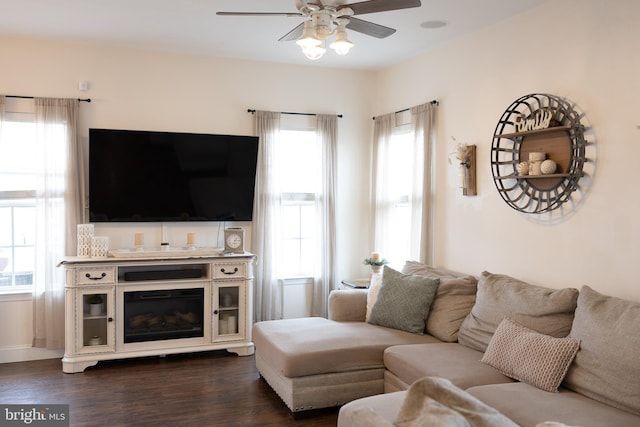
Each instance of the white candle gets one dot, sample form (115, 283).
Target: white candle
(375, 256)
(139, 239)
(191, 238)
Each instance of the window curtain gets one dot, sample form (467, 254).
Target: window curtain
(420, 193)
(2, 108)
(59, 207)
(325, 268)
(422, 121)
(266, 220)
(382, 134)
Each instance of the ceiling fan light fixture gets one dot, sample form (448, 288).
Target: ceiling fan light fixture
(341, 45)
(308, 38)
(314, 52)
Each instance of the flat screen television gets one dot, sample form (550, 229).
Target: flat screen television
(168, 176)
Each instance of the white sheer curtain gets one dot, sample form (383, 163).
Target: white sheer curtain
(266, 220)
(2, 108)
(420, 235)
(58, 209)
(383, 219)
(422, 121)
(325, 268)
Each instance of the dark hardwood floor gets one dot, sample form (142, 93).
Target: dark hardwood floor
(199, 389)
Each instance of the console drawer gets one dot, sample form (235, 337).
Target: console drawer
(230, 270)
(95, 276)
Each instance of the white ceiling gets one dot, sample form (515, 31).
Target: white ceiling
(191, 26)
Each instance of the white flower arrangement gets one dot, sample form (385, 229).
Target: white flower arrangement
(461, 154)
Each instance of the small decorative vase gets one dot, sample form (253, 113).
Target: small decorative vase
(376, 269)
(95, 309)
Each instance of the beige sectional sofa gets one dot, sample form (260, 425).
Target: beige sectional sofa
(534, 354)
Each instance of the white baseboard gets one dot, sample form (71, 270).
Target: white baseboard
(10, 354)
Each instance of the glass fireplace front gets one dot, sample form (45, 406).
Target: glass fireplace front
(163, 314)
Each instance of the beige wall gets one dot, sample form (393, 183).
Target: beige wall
(580, 49)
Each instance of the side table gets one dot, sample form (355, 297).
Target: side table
(355, 284)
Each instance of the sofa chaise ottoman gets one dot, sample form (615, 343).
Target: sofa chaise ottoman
(316, 362)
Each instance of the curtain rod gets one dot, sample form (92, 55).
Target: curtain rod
(434, 102)
(295, 114)
(32, 97)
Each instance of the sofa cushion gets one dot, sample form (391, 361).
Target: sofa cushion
(315, 345)
(454, 298)
(372, 295)
(529, 406)
(526, 355)
(461, 365)
(347, 305)
(607, 367)
(403, 301)
(548, 311)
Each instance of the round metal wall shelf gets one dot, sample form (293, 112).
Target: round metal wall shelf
(563, 142)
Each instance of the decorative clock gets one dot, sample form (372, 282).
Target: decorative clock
(234, 240)
(538, 153)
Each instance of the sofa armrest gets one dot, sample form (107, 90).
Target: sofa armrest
(348, 305)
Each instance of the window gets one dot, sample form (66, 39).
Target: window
(398, 198)
(398, 241)
(18, 180)
(298, 182)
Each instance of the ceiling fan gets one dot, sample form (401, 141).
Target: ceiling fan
(324, 20)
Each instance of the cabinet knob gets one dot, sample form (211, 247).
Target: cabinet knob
(110, 319)
(215, 311)
(88, 276)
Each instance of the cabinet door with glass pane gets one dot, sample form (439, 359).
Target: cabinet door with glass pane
(95, 308)
(229, 311)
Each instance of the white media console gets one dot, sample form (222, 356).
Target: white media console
(137, 305)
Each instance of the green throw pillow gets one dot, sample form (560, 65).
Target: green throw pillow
(403, 301)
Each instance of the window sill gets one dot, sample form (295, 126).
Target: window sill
(16, 295)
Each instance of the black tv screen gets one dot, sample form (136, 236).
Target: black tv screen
(168, 176)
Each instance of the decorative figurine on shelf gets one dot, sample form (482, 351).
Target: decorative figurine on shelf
(523, 168)
(541, 119)
(376, 262)
(548, 166)
(538, 164)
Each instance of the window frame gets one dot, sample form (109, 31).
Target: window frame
(18, 199)
(299, 199)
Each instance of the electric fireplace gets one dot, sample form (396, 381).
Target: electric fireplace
(163, 314)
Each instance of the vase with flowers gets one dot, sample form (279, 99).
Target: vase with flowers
(376, 262)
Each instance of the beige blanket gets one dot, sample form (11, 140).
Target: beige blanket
(436, 402)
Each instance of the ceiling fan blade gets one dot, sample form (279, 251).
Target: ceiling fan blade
(373, 6)
(369, 28)
(294, 34)
(291, 14)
